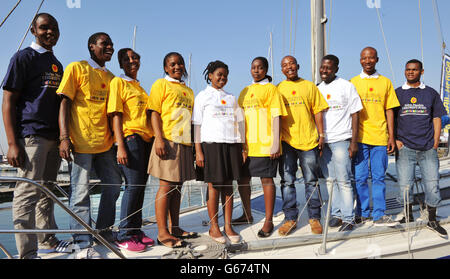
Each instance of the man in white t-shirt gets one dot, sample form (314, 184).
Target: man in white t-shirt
(341, 133)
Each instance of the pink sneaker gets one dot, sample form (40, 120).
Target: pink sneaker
(145, 239)
(131, 245)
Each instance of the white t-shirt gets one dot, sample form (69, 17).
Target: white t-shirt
(343, 99)
(218, 115)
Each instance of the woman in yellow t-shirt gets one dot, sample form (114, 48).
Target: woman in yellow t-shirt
(263, 107)
(171, 159)
(127, 105)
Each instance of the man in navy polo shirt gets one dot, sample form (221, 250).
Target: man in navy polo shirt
(30, 115)
(418, 129)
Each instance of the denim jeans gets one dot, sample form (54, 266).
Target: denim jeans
(107, 170)
(136, 176)
(406, 160)
(377, 156)
(336, 166)
(309, 164)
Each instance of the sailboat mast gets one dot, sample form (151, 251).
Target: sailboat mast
(318, 21)
(134, 38)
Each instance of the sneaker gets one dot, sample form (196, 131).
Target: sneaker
(316, 227)
(434, 226)
(59, 247)
(287, 227)
(87, 253)
(132, 245)
(334, 222)
(145, 239)
(361, 220)
(385, 221)
(346, 227)
(403, 220)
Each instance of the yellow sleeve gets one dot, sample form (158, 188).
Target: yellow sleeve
(115, 100)
(391, 98)
(69, 83)
(319, 104)
(277, 105)
(156, 96)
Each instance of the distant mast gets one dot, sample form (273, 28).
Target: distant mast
(318, 21)
(134, 38)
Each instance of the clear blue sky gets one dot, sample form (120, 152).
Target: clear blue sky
(235, 31)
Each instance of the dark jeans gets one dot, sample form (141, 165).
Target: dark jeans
(309, 163)
(136, 177)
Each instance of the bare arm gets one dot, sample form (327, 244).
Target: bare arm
(353, 149)
(390, 126)
(117, 124)
(437, 131)
(16, 153)
(65, 147)
(157, 130)
(318, 118)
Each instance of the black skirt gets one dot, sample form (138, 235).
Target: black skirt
(263, 167)
(223, 162)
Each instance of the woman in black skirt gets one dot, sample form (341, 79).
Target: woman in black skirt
(218, 143)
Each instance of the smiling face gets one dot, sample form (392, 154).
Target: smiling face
(130, 64)
(258, 70)
(174, 67)
(102, 50)
(290, 67)
(413, 72)
(46, 31)
(368, 60)
(218, 78)
(328, 70)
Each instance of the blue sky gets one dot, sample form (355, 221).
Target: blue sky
(235, 31)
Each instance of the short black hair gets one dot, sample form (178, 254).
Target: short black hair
(122, 52)
(94, 37)
(265, 64)
(333, 58)
(185, 74)
(415, 61)
(212, 67)
(33, 23)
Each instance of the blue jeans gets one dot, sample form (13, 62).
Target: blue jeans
(377, 156)
(107, 170)
(428, 161)
(336, 166)
(136, 176)
(309, 163)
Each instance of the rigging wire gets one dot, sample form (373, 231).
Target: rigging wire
(295, 26)
(439, 26)
(284, 27)
(385, 44)
(290, 29)
(17, 4)
(421, 37)
(29, 26)
(327, 46)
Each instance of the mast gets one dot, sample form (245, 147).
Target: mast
(134, 38)
(318, 21)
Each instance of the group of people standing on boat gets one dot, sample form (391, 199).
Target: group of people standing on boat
(97, 121)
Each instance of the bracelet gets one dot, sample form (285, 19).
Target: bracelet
(322, 135)
(63, 138)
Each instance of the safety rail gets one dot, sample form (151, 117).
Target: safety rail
(52, 196)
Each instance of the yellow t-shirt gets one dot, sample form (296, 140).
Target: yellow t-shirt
(88, 88)
(174, 102)
(377, 95)
(261, 103)
(129, 98)
(302, 100)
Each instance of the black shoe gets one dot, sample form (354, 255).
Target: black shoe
(335, 222)
(361, 219)
(434, 226)
(403, 220)
(346, 227)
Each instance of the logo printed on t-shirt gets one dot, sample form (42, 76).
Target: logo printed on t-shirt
(293, 92)
(328, 96)
(103, 85)
(223, 102)
(54, 68)
(413, 100)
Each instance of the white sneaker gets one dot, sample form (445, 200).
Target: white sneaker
(87, 253)
(385, 221)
